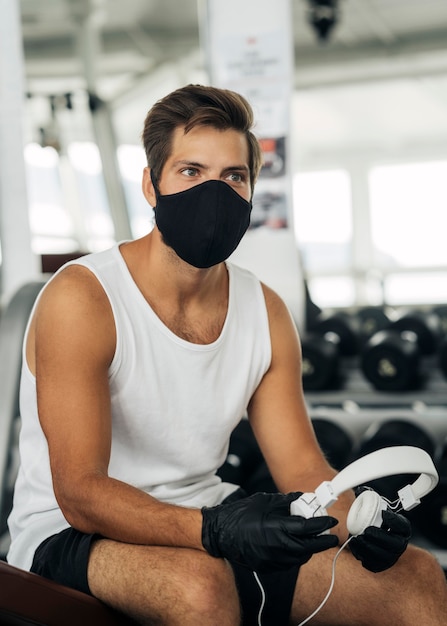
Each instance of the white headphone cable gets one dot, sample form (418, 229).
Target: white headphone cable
(325, 599)
(261, 608)
(331, 586)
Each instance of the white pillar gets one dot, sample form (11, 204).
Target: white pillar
(89, 42)
(19, 264)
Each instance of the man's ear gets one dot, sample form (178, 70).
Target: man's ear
(148, 187)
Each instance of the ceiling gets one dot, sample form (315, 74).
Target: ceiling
(379, 83)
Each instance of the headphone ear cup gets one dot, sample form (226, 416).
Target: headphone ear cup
(365, 511)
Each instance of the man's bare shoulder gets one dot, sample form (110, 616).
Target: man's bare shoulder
(74, 311)
(276, 307)
(73, 287)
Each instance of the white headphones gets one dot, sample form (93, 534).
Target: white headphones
(367, 508)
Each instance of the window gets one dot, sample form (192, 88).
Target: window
(409, 214)
(323, 230)
(132, 161)
(52, 228)
(92, 207)
(408, 228)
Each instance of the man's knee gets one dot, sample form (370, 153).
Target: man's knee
(416, 581)
(423, 569)
(168, 585)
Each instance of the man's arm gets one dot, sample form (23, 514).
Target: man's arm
(279, 417)
(71, 345)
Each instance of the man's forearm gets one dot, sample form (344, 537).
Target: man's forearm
(114, 509)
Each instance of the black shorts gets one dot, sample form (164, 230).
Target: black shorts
(64, 559)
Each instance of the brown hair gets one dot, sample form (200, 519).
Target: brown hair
(197, 105)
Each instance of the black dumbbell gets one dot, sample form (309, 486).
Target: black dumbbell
(391, 358)
(341, 328)
(442, 357)
(335, 441)
(393, 432)
(440, 311)
(371, 320)
(245, 465)
(320, 363)
(244, 455)
(424, 324)
(332, 336)
(430, 518)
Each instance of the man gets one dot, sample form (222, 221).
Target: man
(139, 363)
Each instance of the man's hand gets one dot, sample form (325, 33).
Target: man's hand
(259, 532)
(380, 548)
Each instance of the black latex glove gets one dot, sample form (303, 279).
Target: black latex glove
(380, 548)
(260, 533)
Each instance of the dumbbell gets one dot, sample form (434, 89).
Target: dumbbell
(245, 465)
(391, 358)
(371, 320)
(243, 456)
(320, 363)
(334, 441)
(393, 432)
(440, 311)
(442, 357)
(431, 518)
(332, 336)
(341, 328)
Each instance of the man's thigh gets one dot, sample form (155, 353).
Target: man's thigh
(162, 584)
(399, 595)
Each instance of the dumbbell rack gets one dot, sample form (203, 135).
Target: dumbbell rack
(357, 407)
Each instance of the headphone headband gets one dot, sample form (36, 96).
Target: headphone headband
(381, 463)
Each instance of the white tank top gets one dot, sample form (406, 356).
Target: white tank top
(174, 404)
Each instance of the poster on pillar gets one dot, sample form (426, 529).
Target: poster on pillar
(249, 49)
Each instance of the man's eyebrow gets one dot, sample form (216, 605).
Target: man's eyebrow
(189, 163)
(230, 168)
(235, 168)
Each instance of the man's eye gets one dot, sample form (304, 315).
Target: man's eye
(235, 177)
(189, 171)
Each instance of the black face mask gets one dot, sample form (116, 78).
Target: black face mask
(203, 224)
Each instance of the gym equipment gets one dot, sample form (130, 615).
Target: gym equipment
(441, 313)
(245, 465)
(12, 327)
(442, 357)
(372, 319)
(312, 310)
(27, 599)
(391, 358)
(243, 457)
(332, 336)
(424, 324)
(342, 328)
(366, 511)
(334, 441)
(431, 518)
(391, 362)
(395, 432)
(320, 363)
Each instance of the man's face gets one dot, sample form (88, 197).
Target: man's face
(206, 153)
